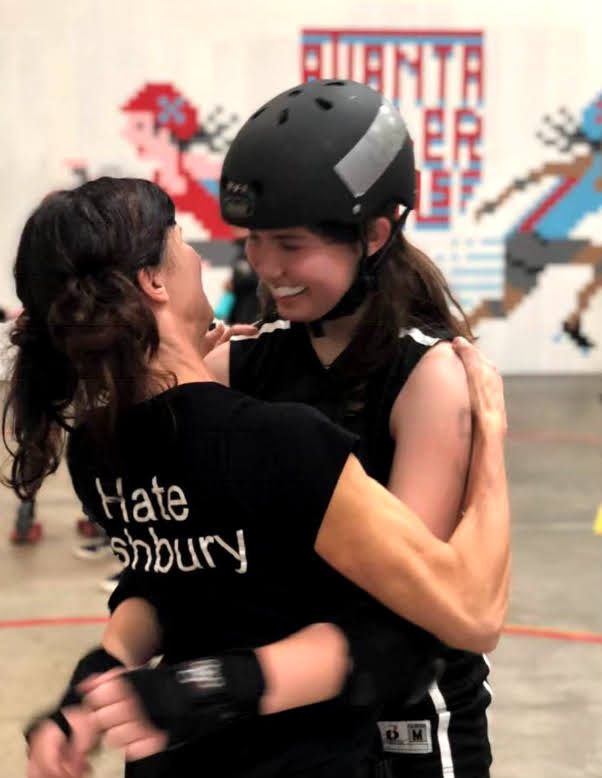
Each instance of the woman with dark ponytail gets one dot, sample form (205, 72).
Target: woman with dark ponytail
(223, 510)
(85, 335)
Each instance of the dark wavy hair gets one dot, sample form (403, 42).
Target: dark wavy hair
(86, 335)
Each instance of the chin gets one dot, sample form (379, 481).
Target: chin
(301, 313)
(295, 309)
(289, 313)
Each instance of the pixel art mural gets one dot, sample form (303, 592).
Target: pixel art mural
(436, 78)
(164, 128)
(542, 236)
(513, 220)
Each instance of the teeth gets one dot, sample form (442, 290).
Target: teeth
(287, 291)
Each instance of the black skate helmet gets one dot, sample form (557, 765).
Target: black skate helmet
(325, 151)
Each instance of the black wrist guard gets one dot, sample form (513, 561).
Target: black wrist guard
(193, 699)
(96, 661)
(52, 715)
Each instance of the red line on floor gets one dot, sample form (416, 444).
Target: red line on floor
(510, 629)
(65, 621)
(552, 634)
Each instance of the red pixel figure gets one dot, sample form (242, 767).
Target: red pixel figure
(162, 126)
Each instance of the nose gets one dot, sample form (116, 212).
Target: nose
(264, 261)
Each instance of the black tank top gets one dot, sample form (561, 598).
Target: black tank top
(280, 364)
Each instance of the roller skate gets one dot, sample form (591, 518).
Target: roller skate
(87, 528)
(26, 529)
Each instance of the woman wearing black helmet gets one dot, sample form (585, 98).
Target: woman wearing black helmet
(357, 323)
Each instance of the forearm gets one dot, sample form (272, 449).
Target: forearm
(377, 542)
(199, 697)
(133, 634)
(486, 527)
(304, 668)
(365, 654)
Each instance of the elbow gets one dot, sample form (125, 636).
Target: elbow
(480, 637)
(482, 633)
(488, 637)
(482, 608)
(493, 627)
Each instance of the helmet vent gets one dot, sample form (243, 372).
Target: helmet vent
(261, 110)
(325, 105)
(283, 117)
(295, 92)
(335, 83)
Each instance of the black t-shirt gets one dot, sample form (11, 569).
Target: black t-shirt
(213, 501)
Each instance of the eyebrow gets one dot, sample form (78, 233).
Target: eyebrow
(289, 235)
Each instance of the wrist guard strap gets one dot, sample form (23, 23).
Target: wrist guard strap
(52, 715)
(96, 661)
(196, 698)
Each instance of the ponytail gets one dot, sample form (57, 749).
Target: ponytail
(41, 387)
(87, 336)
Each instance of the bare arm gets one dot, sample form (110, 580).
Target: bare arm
(457, 591)
(431, 426)
(133, 634)
(306, 667)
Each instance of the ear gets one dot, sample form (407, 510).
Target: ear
(377, 234)
(152, 282)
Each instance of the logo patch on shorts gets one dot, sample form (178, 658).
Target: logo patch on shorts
(406, 737)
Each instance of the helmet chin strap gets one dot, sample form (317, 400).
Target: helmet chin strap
(365, 280)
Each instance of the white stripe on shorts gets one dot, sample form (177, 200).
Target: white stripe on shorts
(447, 762)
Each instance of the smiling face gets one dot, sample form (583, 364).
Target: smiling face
(305, 274)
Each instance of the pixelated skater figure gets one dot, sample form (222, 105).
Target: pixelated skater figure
(164, 128)
(542, 237)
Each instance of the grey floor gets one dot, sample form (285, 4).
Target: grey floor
(546, 720)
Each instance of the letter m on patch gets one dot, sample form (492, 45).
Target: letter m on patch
(417, 733)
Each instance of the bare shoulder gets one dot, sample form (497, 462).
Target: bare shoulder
(217, 362)
(437, 381)
(440, 363)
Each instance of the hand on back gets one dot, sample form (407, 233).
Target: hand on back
(485, 387)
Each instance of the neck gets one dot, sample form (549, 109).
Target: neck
(338, 334)
(182, 355)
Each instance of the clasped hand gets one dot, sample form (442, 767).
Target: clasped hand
(110, 712)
